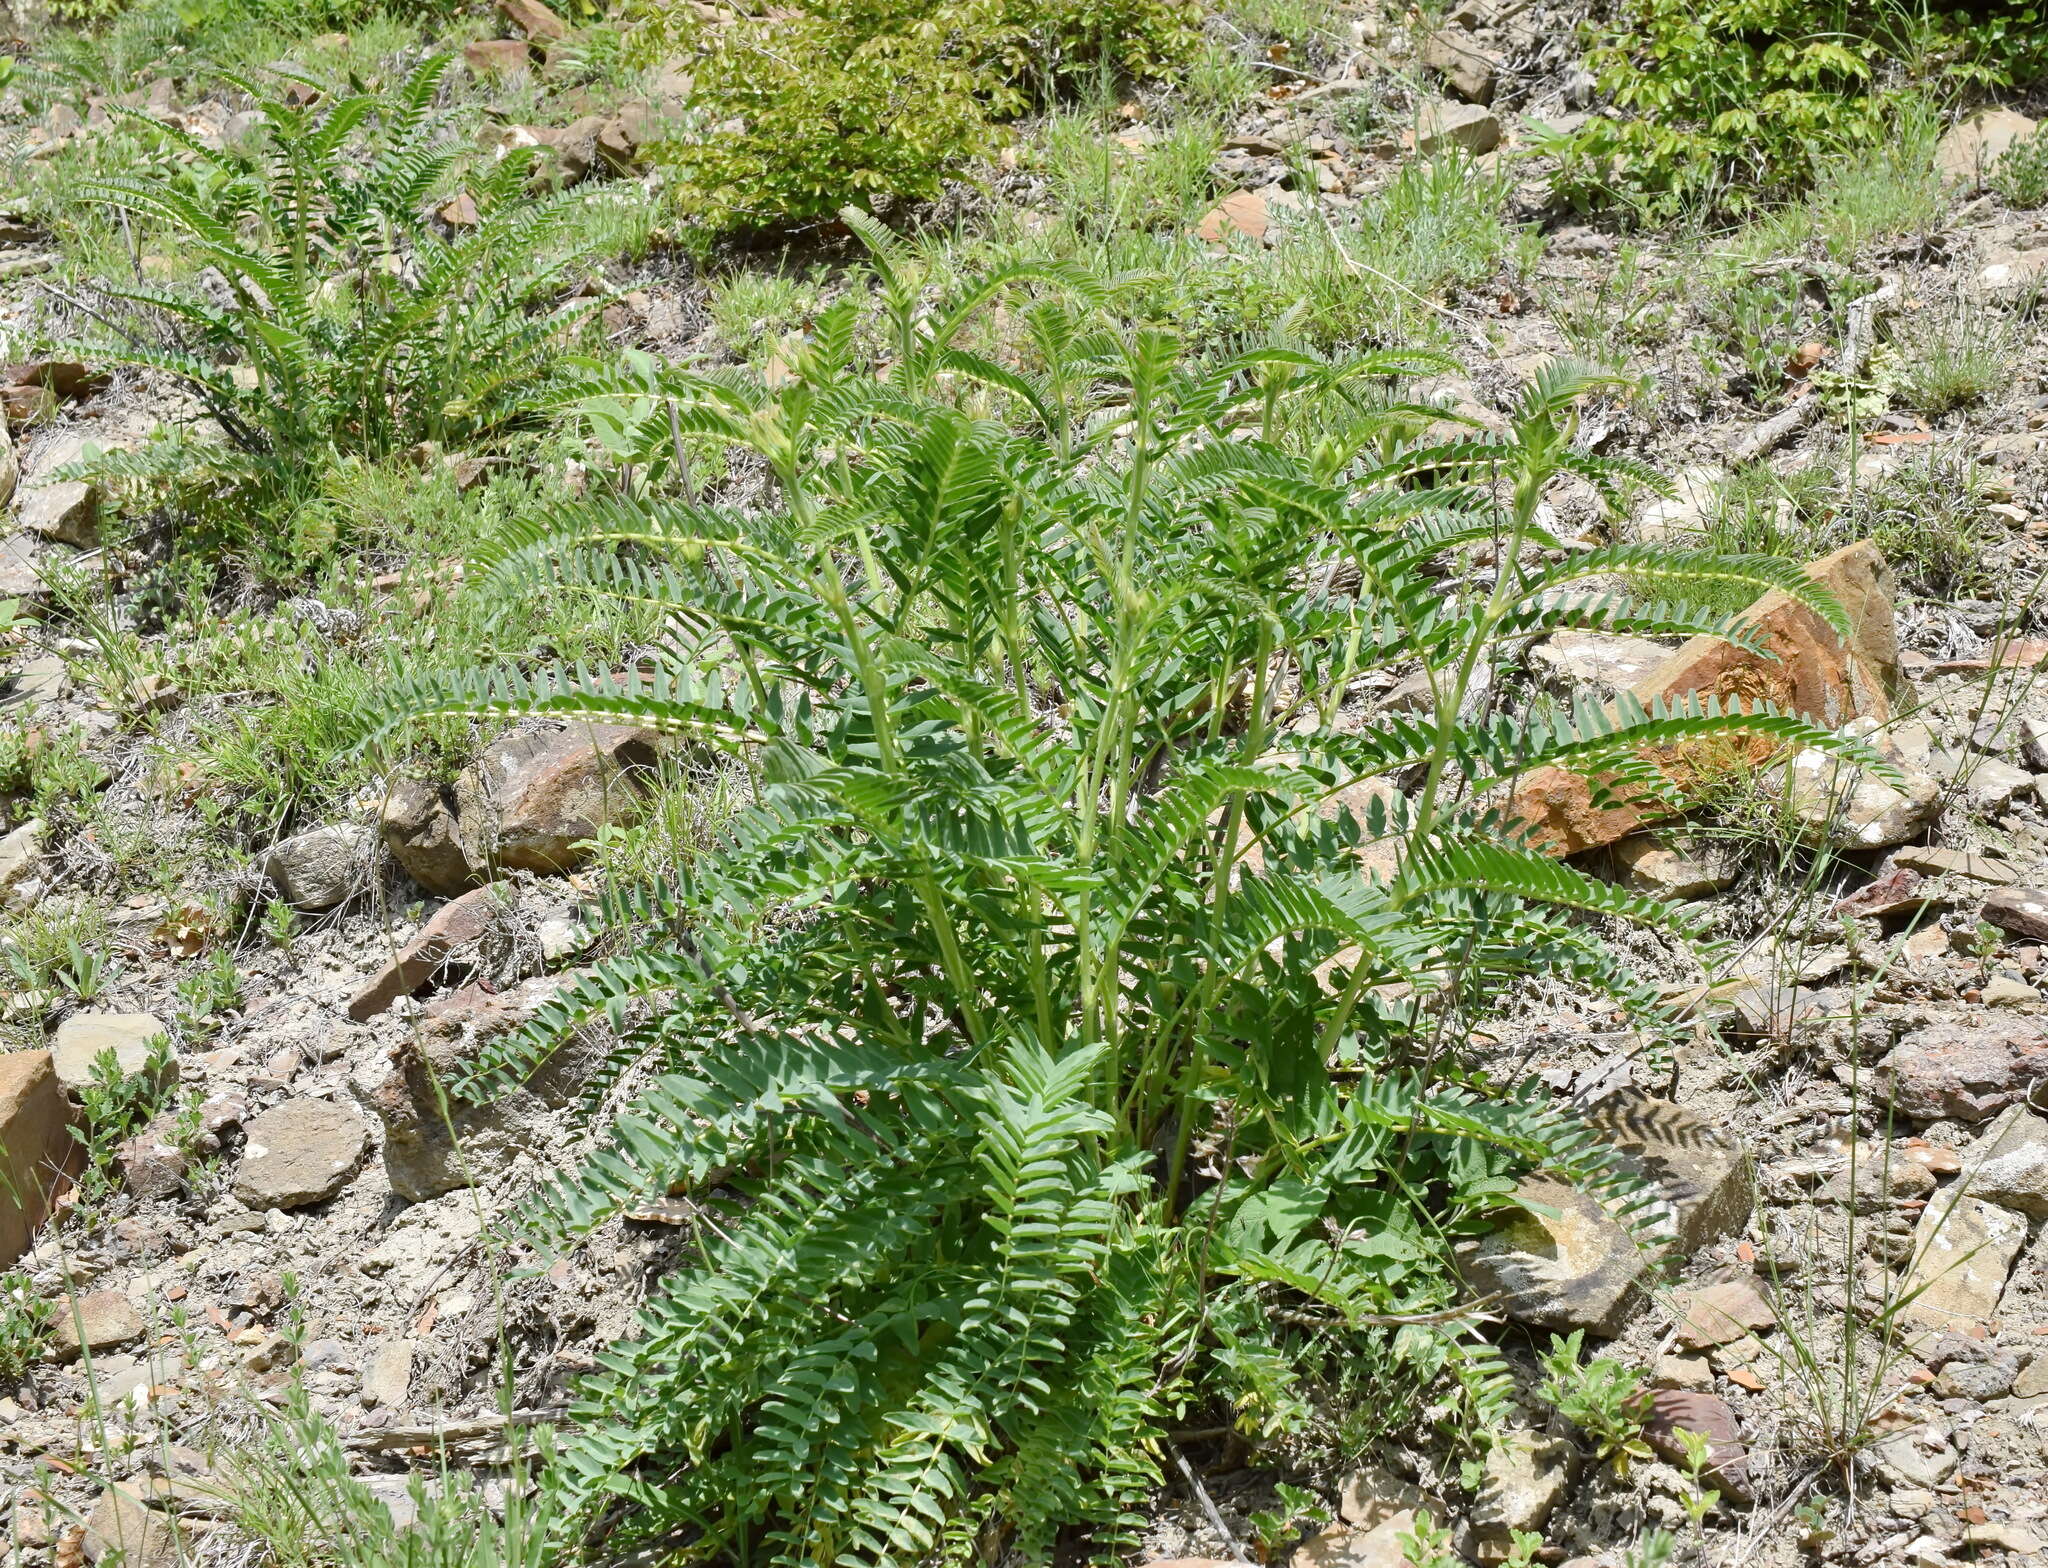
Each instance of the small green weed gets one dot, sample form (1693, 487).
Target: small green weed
(213, 988)
(1954, 358)
(1602, 1398)
(116, 1105)
(2021, 174)
(25, 1322)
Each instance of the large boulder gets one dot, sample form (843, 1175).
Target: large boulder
(37, 1152)
(1805, 667)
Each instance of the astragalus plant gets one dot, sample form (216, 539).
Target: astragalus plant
(1049, 1070)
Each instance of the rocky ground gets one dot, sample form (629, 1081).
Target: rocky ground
(1850, 1147)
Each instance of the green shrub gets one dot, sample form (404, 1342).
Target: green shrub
(1731, 102)
(872, 100)
(2021, 174)
(348, 324)
(1048, 1069)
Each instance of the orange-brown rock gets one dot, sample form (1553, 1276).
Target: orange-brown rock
(1806, 668)
(37, 1152)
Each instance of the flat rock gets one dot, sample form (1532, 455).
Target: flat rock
(1241, 212)
(1804, 668)
(1920, 1457)
(1963, 1249)
(533, 19)
(2008, 1166)
(303, 1151)
(1965, 1071)
(459, 924)
(37, 1152)
(1649, 866)
(387, 1380)
(38, 682)
(1721, 1314)
(1604, 664)
(68, 512)
(2021, 910)
(99, 1320)
(1675, 1410)
(82, 1038)
(2014, 272)
(1934, 862)
(1378, 1547)
(1681, 517)
(317, 870)
(1579, 1267)
(1471, 72)
(1969, 149)
(1443, 125)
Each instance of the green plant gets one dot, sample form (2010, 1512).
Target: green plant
(25, 1323)
(879, 99)
(1428, 1544)
(1952, 359)
(1761, 317)
(1734, 102)
(1273, 1529)
(1046, 1062)
(114, 1105)
(280, 924)
(348, 325)
(1603, 1398)
(84, 972)
(2021, 174)
(215, 986)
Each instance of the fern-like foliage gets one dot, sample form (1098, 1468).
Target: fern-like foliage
(1035, 1029)
(337, 317)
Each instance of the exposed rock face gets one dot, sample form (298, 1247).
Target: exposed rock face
(83, 1036)
(317, 870)
(406, 1092)
(533, 797)
(303, 1151)
(1970, 148)
(1965, 1072)
(37, 1152)
(1806, 668)
(1580, 1267)
(460, 924)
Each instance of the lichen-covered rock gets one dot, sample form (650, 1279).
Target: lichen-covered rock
(1965, 1072)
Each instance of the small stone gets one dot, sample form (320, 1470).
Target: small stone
(303, 1151)
(1526, 1477)
(1873, 1182)
(124, 1529)
(82, 1037)
(1921, 1456)
(1933, 862)
(1601, 663)
(2008, 991)
(1717, 1314)
(1853, 809)
(1242, 212)
(1471, 71)
(457, 925)
(320, 869)
(21, 853)
(534, 800)
(1965, 1072)
(387, 1380)
(1649, 867)
(1978, 1380)
(67, 512)
(151, 1163)
(1900, 891)
(2021, 910)
(1690, 1374)
(1963, 1248)
(98, 1321)
(1673, 1411)
(1442, 126)
(419, 828)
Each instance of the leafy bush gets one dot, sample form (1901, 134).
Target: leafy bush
(877, 99)
(1603, 1398)
(1731, 102)
(2021, 174)
(346, 322)
(1045, 1064)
